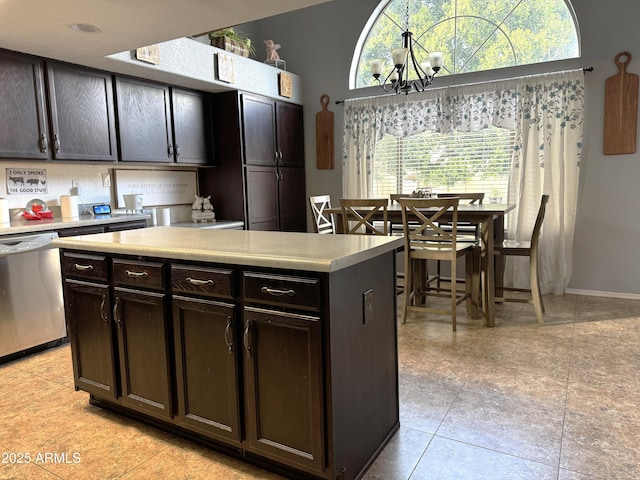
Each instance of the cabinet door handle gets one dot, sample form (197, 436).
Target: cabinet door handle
(56, 142)
(82, 268)
(116, 311)
(199, 283)
(280, 155)
(246, 337)
(277, 292)
(177, 150)
(43, 143)
(136, 274)
(275, 156)
(103, 312)
(228, 335)
(170, 153)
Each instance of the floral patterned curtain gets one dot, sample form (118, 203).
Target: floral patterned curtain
(546, 113)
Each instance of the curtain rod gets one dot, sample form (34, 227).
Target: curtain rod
(585, 69)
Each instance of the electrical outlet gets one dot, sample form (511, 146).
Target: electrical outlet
(106, 179)
(367, 306)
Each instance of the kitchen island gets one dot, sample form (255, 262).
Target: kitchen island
(277, 348)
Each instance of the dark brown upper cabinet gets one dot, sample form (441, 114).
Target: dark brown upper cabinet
(79, 123)
(191, 116)
(23, 119)
(157, 124)
(82, 114)
(144, 121)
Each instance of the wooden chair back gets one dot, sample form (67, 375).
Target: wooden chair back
(323, 222)
(535, 236)
(422, 228)
(358, 216)
(471, 197)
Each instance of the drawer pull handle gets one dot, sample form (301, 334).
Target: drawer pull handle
(199, 283)
(82, 268)
(136, 274)
(277, 292)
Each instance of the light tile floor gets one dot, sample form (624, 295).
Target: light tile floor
(518, 401)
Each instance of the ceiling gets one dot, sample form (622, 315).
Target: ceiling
(41, 27)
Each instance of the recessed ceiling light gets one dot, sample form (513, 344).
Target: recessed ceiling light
(85, 27)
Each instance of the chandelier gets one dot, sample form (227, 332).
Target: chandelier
(407, 73)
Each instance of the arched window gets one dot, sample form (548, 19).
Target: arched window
(475, 35)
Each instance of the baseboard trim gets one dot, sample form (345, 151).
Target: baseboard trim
(598, 293)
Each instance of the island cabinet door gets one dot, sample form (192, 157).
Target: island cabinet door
(143, 338)
(284, 389)
(89, 323)
(206, 367)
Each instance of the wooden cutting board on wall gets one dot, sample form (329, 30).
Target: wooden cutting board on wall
(620, 109)
(324, 135)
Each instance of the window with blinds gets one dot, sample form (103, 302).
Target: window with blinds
(445, 162)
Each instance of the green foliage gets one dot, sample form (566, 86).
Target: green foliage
(475, 35)
(233, 34)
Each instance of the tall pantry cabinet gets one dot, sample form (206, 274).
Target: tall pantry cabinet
(259, 177)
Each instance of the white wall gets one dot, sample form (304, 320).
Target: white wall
(318, 43)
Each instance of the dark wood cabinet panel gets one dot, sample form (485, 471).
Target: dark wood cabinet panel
(88, 316)
(262, 198)
(259, 130)
(290, 134)
(292, 201)
(144, 121)
(23, 120)
(82, 113)
(206, 353)
(143, 337)
(283, 372)
(191, 127)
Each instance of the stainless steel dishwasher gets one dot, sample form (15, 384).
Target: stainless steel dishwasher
(31, 302)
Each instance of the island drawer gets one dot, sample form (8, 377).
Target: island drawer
(210, 282)
(138, 274)
(300, 292)
(90, 267)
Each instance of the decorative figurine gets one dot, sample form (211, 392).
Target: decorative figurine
(202, 210)
(272, 48)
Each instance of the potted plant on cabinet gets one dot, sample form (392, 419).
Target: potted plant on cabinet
(233, 41)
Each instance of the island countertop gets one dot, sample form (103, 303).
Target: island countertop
(285, 250)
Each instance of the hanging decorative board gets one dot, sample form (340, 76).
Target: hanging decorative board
(620, 109)
(324, 135)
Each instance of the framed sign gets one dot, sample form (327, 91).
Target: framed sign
(285, 84)
(225, 68)
(149, 54)
(158, 187)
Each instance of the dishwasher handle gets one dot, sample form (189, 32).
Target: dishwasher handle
(17, 244)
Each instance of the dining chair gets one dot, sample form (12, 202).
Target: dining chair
(426, 240)
(527, 249)
(322, 222)
(358, 215)
(467, 231)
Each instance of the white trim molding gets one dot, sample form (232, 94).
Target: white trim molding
(597, 293)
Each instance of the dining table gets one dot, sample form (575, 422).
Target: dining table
(490, 217)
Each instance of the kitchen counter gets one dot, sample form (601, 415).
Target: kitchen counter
(286, 250)
(233, 224)
(35, 226)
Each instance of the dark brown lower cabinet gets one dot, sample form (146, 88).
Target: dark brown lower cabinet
(89, 324)
(143, 339)
(206, 367)
(286, 369)
(283, 372)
